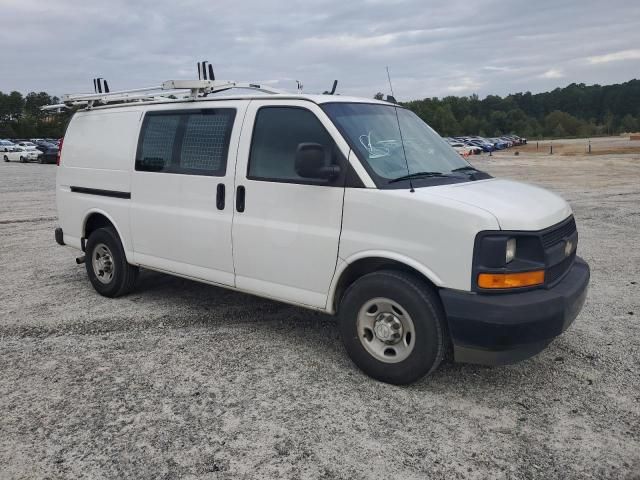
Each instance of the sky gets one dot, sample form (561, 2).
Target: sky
(432, 47)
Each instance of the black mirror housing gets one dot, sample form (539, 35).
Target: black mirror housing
(314, 161)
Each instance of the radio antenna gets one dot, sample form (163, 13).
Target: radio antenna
(390, 85)
(400, 130)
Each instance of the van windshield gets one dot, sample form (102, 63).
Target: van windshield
(372, 132)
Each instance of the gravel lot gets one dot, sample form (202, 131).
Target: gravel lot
(183, 380)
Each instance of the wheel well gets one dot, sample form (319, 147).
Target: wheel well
(95, 221)
(364, 266)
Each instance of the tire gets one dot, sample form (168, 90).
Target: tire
(106, 264)
(6, 159)
(40, 160)
(421, 339)
(21, 159)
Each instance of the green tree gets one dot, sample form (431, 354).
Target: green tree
(498, 122)
(469, 124)
(11, 106)
(628, 123)
(558, 121)
(33, 101)
(445, 122)
(559, 131)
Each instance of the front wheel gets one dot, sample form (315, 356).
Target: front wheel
(106, 263)
(22, 160)
(6, 159)
(393, 326)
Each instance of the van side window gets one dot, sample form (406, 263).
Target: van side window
(156, 147)
(276, 135)
(193, 142)
(206, 142)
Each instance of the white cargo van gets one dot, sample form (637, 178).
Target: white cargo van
(349, 206)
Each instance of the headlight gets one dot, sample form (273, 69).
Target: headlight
(510, 253)
(507, 260)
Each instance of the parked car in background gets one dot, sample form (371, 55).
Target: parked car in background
(5, 145)
(43, 145)
(48, 153)
(514, 139)
(483, 144)
(475, 149)
(508, 141)
(20, 154)
(468, 149)
(28, 145)
(499, 143)
(462, 149)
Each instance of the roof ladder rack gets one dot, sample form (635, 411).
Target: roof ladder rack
(167, 91)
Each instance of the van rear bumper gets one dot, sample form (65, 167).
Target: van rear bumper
(500, 329)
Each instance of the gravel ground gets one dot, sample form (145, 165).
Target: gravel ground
(183, 380)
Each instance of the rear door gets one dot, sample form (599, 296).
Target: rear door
(181, 213)
(286, 228)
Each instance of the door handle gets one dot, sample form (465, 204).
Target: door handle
(220, 196)
(240, 198)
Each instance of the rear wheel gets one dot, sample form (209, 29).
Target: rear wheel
(393, 326)
(6, 159)
(106, 264)
(22, 160)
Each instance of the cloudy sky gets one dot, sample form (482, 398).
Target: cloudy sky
(432, 47)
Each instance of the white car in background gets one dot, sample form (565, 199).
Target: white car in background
(462, 149)
(19, 154)
(5, 145)
(28, 145)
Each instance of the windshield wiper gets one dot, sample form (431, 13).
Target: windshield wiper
(417, 175)
(464, 169)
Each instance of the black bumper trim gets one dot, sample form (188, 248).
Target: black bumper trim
(506, 328)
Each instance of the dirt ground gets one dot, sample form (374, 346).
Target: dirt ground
(183, 380)
(577, 146)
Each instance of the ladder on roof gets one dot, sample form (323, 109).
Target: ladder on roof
(180, 90)
(183, 89)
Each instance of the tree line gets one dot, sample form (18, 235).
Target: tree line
(577, 110)
(21, 117)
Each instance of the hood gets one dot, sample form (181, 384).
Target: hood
(516, 205)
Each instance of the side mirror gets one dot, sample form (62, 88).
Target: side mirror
(314, 161)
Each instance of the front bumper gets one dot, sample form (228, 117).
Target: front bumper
(498, 329)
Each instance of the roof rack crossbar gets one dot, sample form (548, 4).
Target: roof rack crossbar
(185, 89)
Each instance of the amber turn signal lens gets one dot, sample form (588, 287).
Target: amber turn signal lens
(511, 280)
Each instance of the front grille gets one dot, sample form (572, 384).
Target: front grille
(557, 234)
(557, 271)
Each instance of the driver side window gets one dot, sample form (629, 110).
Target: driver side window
(277, 132)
